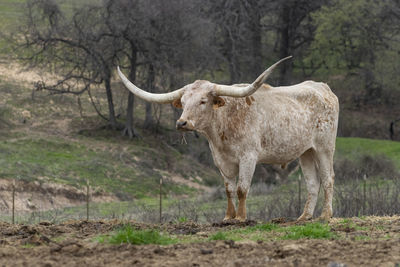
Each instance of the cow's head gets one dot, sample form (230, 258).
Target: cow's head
(199, 99)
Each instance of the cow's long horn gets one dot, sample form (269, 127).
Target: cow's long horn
(156, 98)
(225, 90)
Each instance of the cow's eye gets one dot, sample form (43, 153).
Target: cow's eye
(202, 102)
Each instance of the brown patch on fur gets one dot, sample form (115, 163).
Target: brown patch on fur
(230, 211)
(248, 101)
(241, 194)
(177, 103)
(235, 122)
(263, 142)
(223, 137)
(252, 98)
(218, 102)
(241, 213)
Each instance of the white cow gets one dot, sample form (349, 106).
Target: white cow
(254, 123)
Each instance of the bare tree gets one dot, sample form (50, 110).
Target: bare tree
(79, 48)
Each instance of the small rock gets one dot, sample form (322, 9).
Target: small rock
(159, 251)
(206, 251)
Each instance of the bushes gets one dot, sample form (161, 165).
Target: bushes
(372, 166)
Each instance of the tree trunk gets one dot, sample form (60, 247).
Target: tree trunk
(284, 47)
(112, 119)
(149, 122)
(257, 67)
(129, 129)
(229, 48)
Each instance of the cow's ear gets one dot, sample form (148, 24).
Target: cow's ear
(177, 103)
(218, 102)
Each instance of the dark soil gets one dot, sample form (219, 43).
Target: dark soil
(74, 244)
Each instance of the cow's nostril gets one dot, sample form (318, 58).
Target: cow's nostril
(180, 124)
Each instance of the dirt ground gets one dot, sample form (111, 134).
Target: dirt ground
(74, 244)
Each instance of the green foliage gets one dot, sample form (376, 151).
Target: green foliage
(309, 231)
(182, 220)
(219, 236)
(261, 227)
(128, 234)
(347, 32)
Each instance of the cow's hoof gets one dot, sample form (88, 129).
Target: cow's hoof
(304, 218)
(240, 219)
(228, 219)
(324, 218)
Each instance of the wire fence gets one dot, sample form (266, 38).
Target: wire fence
(358, 197)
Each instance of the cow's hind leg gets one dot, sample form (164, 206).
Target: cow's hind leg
(326, 175)
(246, 171)
(230, 188)
(309, 168)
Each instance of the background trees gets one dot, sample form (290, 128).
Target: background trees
(353, 45)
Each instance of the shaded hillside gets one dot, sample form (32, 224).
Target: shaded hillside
(53, 138)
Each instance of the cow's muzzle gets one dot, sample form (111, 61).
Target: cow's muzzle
(183, 125)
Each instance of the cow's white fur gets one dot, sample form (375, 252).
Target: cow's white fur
(274, 125)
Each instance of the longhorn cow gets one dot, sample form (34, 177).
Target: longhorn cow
(246, 124)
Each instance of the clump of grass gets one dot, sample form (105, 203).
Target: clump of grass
(219, 236)
(347, 222)
(264, 227)
(182, 220)
(127, 234)
(309, 231)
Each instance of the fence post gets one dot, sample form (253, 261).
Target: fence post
(87, 199)
(364, 193)
(161, 200)
(299, 196)
(13, 202)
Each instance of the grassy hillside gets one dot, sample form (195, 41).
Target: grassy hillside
(353, 148)
(53, 138)
(47, 138)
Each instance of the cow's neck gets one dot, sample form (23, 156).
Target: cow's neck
(213, 132)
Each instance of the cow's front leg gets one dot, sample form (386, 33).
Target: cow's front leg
(246, 171)
(230, 188)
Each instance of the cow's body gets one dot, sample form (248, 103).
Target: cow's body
(252, 123)
(276, 126)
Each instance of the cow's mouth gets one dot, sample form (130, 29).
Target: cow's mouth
(184, 126)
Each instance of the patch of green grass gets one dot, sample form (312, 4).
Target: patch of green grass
(362, 237)
(352, 148)
(308, 231)
(219, 236)
(28, 245)
(264, 227)
(181, 220)
(347, 222)
(128, 234)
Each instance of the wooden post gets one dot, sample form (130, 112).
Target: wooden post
(160, 200)
(13, 202)
(87, 199)
(299, 196)
(364, 194)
